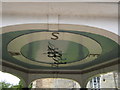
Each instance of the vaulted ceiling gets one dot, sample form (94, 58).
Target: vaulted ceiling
(30, 44)
(42, 49)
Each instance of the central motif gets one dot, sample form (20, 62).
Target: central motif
(55, 54)
(58, 51)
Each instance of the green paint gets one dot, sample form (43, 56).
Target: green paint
(71, 51)
(109, 47)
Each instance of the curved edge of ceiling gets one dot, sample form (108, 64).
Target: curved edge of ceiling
(55, 27)
(62, 1)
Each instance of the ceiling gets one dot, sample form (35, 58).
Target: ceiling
(73, 47)
(34, 49)
(61, 8)
(61, 1)
(102, 15)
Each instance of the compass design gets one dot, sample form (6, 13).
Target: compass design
(46, 48)
(41, 48)
(55, 54)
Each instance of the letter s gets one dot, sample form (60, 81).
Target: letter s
(55, 35)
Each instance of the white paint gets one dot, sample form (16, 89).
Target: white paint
(60, 0)
(109, 24)
(100, 15)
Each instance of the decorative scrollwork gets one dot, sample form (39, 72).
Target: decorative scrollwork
(55, 54)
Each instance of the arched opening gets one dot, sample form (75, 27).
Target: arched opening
(55, 83)
(8, 80)
(105, 80)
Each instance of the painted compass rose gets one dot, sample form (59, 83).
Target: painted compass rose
(46, 48)
(55, 54)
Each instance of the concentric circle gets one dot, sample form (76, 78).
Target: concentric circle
(65, 42)
(38, 51)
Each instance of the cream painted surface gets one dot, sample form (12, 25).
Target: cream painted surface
(70, 27)
(82, 79)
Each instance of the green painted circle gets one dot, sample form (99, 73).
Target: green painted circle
(71, 51)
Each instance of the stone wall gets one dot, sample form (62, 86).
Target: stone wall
(55, 83)
(109, 80)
